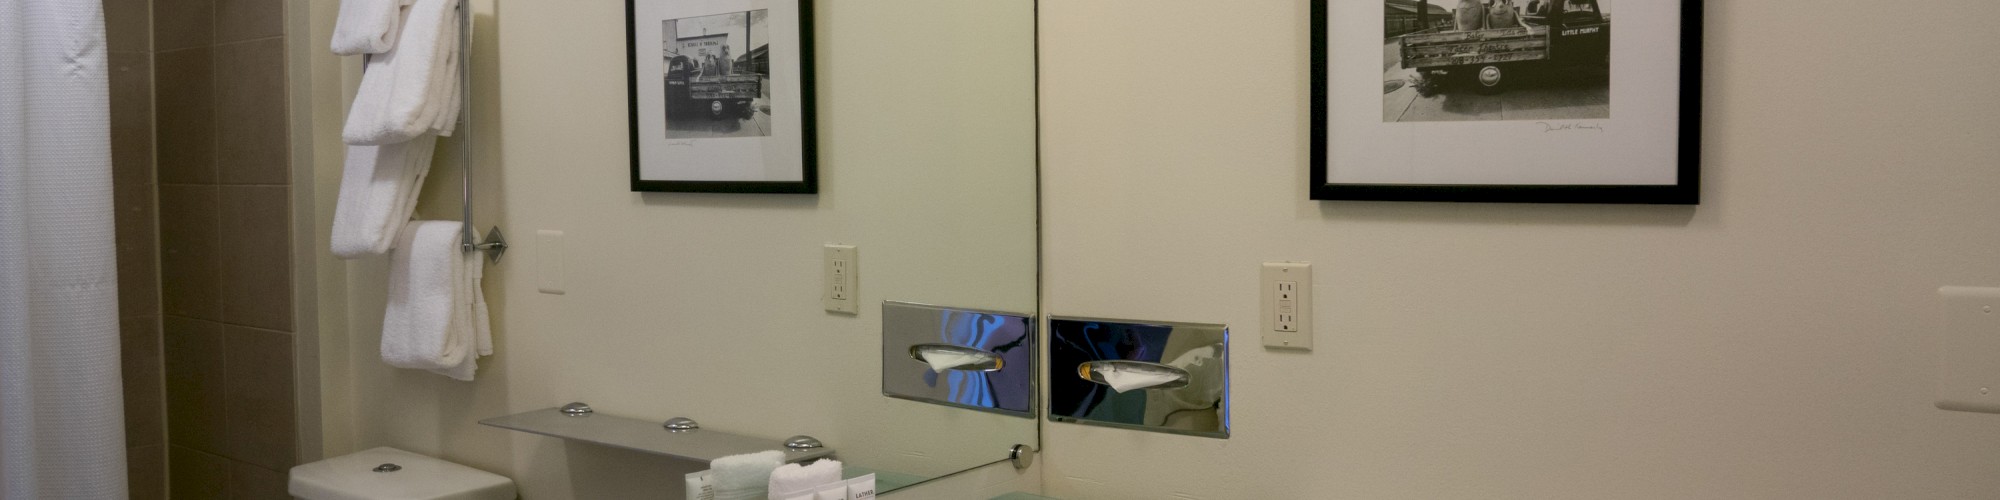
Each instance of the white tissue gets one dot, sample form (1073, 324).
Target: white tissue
(943, 361)
(1127, 379)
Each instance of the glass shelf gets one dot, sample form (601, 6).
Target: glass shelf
(646, 436)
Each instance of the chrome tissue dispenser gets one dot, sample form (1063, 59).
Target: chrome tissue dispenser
(1145, 375)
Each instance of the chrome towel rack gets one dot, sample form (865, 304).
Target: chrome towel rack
(495, 244)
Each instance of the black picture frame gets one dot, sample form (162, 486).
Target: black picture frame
(1687, 191)
(809, 148)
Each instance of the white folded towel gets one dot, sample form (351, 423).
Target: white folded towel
(378, 190)
(746, 476)
(413, 88)
(367, 26)
(482, 329)
(435, 318)
(791, 480)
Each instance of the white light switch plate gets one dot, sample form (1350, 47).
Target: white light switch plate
(1969, 350)
(1286, 305)
(843, 280)
(549, 262)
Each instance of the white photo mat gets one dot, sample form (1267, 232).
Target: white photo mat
(733, 163)
(1639, 145)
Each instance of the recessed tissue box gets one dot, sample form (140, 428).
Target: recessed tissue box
(980, 360)
(1145, 375)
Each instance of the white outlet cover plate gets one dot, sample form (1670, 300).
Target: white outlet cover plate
(1271, 274)
(846, 284)
(1968, 368)
(549, 262)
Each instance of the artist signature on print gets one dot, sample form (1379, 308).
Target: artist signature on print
(1560, 127)
(680, 144)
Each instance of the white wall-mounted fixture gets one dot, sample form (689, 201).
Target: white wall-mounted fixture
(1969, 350)
(549, 262)
(843, 279)
(1287, 305)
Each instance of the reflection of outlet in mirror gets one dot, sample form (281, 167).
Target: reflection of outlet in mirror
(1968, 368)
(842, 280)
(1287, 305)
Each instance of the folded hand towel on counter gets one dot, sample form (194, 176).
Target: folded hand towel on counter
(791, 480)
(412, 89)
(746, 476)
(434, 320)
(367, 26)
(378, 190)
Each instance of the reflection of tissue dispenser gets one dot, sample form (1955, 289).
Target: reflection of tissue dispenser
(1155, 376)
(969, 338)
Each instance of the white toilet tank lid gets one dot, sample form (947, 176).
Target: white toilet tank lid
(417, 477)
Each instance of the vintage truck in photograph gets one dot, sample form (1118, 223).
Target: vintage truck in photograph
(1572, 33)
(726, 96)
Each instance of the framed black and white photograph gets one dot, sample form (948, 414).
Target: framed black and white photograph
(722, 95)
(1530, 101)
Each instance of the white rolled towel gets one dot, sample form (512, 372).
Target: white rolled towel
(378, 191)
(412, 89)
(435, 317)
(367, 26)
(792, 480)
(746, 476)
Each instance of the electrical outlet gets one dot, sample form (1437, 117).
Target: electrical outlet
(843, 279)
(1287, 305)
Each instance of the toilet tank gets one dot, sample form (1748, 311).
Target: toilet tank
(391, 474)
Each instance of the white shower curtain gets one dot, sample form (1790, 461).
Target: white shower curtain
(61, 411)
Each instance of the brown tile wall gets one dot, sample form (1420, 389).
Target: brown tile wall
(129, 41)
(224, 248)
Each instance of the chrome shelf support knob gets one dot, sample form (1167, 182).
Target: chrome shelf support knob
(803, 443)
(681, 424)
(577, 410)
(1023, 456)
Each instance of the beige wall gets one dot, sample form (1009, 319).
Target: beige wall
(706, 305)
(1773, 343)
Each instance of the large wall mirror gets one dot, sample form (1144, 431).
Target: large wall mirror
(708, 305)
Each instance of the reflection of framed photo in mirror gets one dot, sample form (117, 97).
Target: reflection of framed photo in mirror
(721, 95)
(1536, 101)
